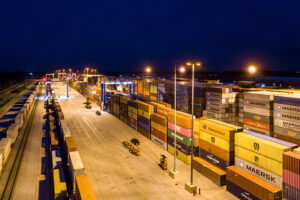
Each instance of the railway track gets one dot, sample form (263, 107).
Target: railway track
(6, 192)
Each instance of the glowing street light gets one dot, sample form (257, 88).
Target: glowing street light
(252, 70)
(182, 69)
(148, 69)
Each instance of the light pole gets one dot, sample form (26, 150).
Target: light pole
(191, 187)
(173, 173)
(87, 83)
(252, 70)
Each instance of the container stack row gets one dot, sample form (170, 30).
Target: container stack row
(183, 136)
(124, 109)
(69, 178)
(287, 118)
(13, 121)
(291, 175)
(132, 113)
(260, 158)
(222, 104)
(143, 118)
(216, 142)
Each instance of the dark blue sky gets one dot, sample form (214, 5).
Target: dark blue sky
(127, 35)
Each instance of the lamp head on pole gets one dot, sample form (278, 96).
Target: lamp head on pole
(252, 69)
(182, 69)
(148, 69)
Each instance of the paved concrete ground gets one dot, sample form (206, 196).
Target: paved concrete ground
(114, 172)
(26, 184)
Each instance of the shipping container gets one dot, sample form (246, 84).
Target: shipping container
(179, 155)
(259, 160)
(217, 151)
(252, 184)
(59, 183)
(262, 146)
(217, 141)
(76, 167)
(216, 129)
(5, 148)
(64, 128)
(84, 190)
(287, 108)
(70, 145)
(259, 172)
(215, 174)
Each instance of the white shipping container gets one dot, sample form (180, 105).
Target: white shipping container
(76, 166)
(262, 95)
(286, 124)
(259, 172)
(259, 111)
(159, 142)
(24, 111)
(12, 132)
(5, 147)
(19, 119)
(65, 129)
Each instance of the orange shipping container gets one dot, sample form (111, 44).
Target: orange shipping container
(84, 189)
(181, 120)
(257, 124)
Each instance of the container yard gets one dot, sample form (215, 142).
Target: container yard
(242, 143)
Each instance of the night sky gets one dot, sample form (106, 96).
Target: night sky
(127, 35)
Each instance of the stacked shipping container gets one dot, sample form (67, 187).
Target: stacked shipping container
(222, 104)
(258, 112)
(153, 90)
(183, 136)
(246, 186)
(216, 142)
(159, 126)
(287, 118)
(291, 175)
(143, 118)
(116, 105)
(146, 89)
(255, 152)
(132, 113)
(124, 108)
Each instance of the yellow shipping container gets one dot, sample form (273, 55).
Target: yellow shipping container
(140, 87)
(217, 141)
(153, 89)
(132, 115)
(259, 160)
(159, 127)
(181, 156)
(196, 124)
(144, 113)
(164, 103)
(60, 188)
(124, 99)
(145, 106)
(132, 110)
(216, 129)
(196, 141)
(116, 109)
(262, 146)
(297, 150)
(181, 120)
